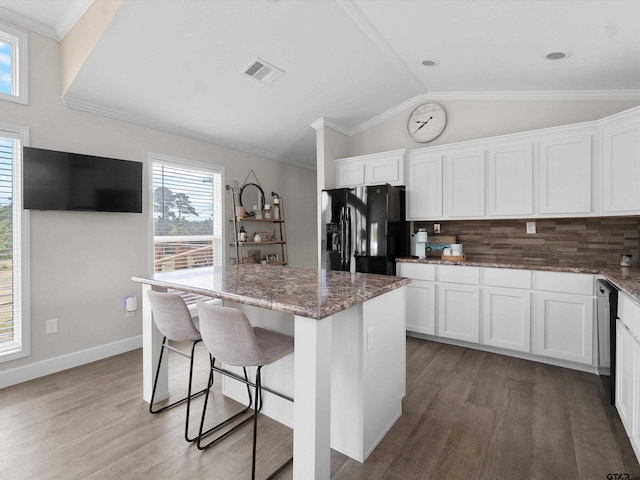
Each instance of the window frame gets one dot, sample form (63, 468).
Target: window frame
(23, 348)
(185, 163)
(19, 41)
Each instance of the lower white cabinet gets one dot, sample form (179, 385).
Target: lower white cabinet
(459, 312)
(421, 307)
(625, 374)
(564, 326)
(506, 318)
(549, 314)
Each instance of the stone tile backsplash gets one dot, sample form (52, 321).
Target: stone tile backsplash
(589, 242)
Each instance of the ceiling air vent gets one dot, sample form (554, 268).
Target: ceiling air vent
(263, 71)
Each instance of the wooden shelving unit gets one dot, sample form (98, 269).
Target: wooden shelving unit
(253, 225)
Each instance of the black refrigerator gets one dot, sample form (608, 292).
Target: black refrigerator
(364, 229)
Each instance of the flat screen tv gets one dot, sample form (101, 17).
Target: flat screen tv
(70, 181)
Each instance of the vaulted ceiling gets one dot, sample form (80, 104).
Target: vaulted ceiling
(178, 64)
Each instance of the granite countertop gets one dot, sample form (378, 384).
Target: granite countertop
(626, 279)
(519, 266)
(304, 292)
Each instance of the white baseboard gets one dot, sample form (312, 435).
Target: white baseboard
(70, 360)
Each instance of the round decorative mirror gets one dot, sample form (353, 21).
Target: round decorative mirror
(251, 194)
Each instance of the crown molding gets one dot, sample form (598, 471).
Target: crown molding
(71, 17)
(325, 122)
(174, 129)
(28, 23)
(57, 32)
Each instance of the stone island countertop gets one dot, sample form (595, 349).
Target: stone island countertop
(309, 293)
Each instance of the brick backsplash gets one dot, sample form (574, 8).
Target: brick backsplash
(589, 242)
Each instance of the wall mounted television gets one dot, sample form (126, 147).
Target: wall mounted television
(70, 181)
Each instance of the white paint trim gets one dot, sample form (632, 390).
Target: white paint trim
(325, 122)
(28, 23)
(57, 32)
(70, 360)
(174, 129)
(71, 17)
(379, 41)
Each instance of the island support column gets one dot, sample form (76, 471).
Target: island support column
(151, 346)
(312, 399)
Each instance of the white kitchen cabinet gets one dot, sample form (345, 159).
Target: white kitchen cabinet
(564, 326)
(510, 180)
(634, 434)
(625, 375)
(349, 173)
(621, 167)
(424, 193)
(565, 174)
(459, 312)
(464, 182)
(506, 318)
(374, 169)
(420, 296)
(421, 307)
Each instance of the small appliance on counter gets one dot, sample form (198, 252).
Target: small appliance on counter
(419, 242)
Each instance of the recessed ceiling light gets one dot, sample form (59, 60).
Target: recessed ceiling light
(557, 55)
(430, 63)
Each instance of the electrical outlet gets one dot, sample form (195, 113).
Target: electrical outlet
(436, 228)
(531, 227)
(51, 326)
(369, 338)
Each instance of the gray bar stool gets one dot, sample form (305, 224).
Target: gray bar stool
(171, 316)
(230, 338)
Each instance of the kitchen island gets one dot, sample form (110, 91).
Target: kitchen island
(349, 360)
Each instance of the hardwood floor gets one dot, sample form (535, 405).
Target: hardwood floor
(467, 415)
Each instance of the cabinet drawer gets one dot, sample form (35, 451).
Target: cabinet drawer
(563, 282)
(629, 313)
(417, 271)
(503, 277)
(458, 274)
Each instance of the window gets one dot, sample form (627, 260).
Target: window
(13, 65)
(14, 319)
(187, 214)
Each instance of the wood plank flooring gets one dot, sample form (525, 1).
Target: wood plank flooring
(467, 415)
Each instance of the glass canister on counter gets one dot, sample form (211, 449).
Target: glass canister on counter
(257, 212)
(267, 212)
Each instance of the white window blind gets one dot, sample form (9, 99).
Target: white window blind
(187, 213)
(13, 340)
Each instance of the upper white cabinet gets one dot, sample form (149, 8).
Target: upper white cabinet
(510, 180)
(464, 183)
(375, 169)
(621, 167)
(349, 174)
(424, 193)
(565, 174)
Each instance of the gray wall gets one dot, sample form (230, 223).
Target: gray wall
(81, 263)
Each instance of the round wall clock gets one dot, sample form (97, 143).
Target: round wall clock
(427, 122)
